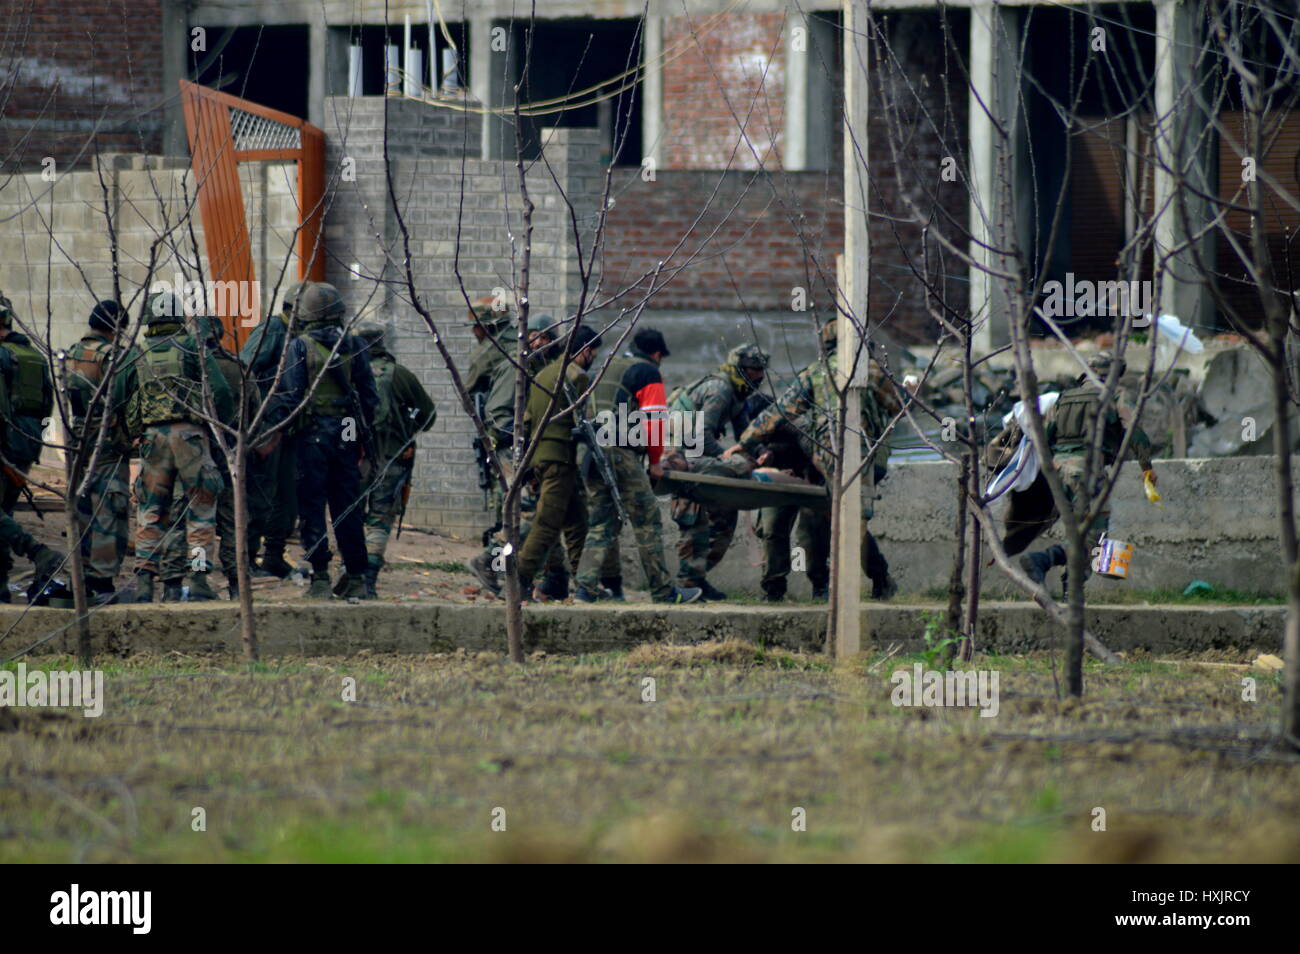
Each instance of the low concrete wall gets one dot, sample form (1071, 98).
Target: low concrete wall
(1219, 524)
(338, 629)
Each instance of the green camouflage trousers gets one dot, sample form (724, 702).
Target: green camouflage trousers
(384, 507)
(103, 518)
(604, 524)
(774, 527)
(705, 536)
(171, 454)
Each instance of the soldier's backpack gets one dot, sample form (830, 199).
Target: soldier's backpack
(30, 394)
(332, 395)
(164, 393)
(86, 361)
(394, 425)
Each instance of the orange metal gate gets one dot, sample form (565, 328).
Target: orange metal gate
(223, 131)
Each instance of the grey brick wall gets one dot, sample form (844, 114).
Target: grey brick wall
(447, 197)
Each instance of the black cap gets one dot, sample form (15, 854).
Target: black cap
(584, 337)
(107, 315)
(650, 341)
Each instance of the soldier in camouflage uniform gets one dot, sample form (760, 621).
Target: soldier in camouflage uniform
(632, 383)
(160, 389)
(490, 321)
(273, 467)
(103, 511)
(211, 332)
(719, 400)
(31, 397)
(1070, 426)
(326, 374)
(405, 410)
(808, 404)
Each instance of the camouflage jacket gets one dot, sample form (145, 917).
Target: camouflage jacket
(808, 404)
(716, 401)
(486, 358)
(87, 360)
(261, 352)
(179, 401)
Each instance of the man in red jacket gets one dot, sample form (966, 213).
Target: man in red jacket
(630, 406)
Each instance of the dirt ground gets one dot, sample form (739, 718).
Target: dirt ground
(572, 758)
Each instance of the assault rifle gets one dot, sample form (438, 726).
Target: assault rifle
(586, 434)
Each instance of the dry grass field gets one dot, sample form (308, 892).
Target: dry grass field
(567, 756)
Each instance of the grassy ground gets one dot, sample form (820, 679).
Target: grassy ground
(736, 740)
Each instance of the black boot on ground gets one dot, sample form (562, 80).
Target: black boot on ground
(173, 590)
(276, 565)
(614, 584)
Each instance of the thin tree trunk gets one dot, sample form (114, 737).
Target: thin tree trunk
(1078, 562)
(238, 464)
(955, 589)
(513, 589)
(77, 567)
(972, 570)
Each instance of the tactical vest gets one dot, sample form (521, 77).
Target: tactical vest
(1074, 416)
(86, 360)
(164, 393)
(682, 399)
(1073, 419)
(873, 420)
(610, 393)
(331, 398)
(27, 387)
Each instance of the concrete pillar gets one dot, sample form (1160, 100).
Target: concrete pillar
(317, 70)
(494, 70)
(996, 136)
(652, 89)
(175, 45)
(809, 96)
(1186, 151)
(851, 358)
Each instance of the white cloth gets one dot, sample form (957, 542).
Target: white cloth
(1023, 469)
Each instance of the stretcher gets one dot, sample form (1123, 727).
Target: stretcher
(731, 493)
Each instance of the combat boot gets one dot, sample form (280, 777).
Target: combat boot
(276, 565)
(139, 590)
(173, 590)
(356, 590)
(680, 594)
(883, 588)
(481, 567)
(614, 584)
(320, 585)
(201, 590)
(341, 584)
(1038, 564)
(594, 595)
(774, 592)
(710, 592)
(372, 578)
(99, 591)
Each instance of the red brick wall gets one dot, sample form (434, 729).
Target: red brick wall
(730, 76)
(76, 62)
(775, 229)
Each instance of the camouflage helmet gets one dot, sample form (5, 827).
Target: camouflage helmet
(489, 314)
(320, 302)
(6, 310)
(292, 296)
(1101, 363)
(747, 356)
(541, 324)
(162, 307)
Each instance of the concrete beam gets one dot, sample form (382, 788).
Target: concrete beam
(996, 136)
(1185, 143)
(175, 42)
(810, 112)
(652, 93)
(330, 629)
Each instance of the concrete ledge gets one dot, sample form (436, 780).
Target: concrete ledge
(342, 630)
